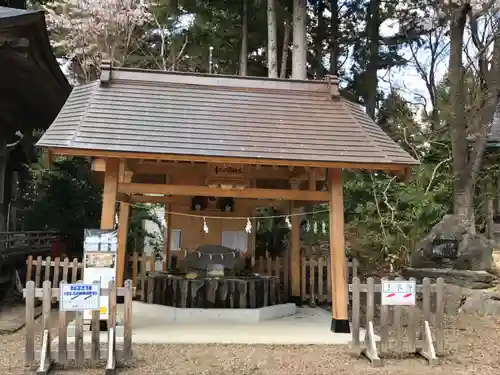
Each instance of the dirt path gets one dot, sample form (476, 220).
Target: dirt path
(473, 345)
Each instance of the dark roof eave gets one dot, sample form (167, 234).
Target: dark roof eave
(10, 17)
(82, 152)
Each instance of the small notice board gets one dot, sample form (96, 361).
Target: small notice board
(99, 248)
(79, 297)
(398, 292)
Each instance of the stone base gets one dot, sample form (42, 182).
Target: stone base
(340, 326)
(466, 279)
(179, 315)
(297, 300)
(119, 327)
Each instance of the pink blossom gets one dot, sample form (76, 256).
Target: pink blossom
(85, 29)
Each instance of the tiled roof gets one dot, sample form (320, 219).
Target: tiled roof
(221, 116)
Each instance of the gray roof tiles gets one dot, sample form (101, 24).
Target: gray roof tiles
(185, 114)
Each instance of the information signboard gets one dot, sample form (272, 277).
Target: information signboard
(398, 292)
(79, 297)
(99, 248)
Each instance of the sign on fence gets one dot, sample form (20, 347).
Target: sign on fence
(79, 297)
(398, 292)
(99, 262)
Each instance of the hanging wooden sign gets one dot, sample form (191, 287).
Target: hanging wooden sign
(231, 171)
(232, 174)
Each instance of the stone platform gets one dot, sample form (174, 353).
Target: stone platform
(86, 328)
(244, 316)
(308, 326)
(464, 278)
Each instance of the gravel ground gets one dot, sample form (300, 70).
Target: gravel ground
(472, 343)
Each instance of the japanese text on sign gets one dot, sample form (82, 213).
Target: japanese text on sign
(398, 292)
(80, 297)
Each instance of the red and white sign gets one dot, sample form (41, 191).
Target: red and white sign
(398, 292)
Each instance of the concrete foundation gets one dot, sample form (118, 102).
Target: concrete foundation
(244, 316)
(119, 327)
(155, 324)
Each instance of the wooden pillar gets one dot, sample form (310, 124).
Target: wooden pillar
(123, 220)
(109, 194)
(295, 258)
(340, 319)
(121, 257)
(167, 236)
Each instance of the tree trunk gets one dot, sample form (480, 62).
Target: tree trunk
(272, 50)
(319, 38)
(467, 163)
(244, 39)
(334, 36)
(463, 192)
(299, 51)
(373, 33)
(286, 47)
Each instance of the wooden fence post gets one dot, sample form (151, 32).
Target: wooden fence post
(412, 326)
(439, 316)
(29, 345)
(111, 360)
(45, 352)
(127, 321)
(63, 332)
(356, 311)
(95, 323)
(384, 327)
(38, 271)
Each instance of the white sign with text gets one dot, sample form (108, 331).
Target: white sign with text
(398, 292)
(79, 297)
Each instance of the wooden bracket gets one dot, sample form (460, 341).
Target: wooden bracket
(427, 350)
(370, 350)
(111, 360)
(45, 354)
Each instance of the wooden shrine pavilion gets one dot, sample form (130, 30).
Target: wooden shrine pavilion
(175, 138)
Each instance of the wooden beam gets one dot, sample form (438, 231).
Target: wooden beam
(340, 319)
(179, 169)
(295, 258)
(186, 200)
(224, 159)
(191, 190)
(160, 199)
(109, 194)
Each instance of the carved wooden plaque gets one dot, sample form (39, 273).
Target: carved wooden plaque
(229, 171)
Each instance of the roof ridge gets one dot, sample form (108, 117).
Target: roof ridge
(109, 74)
(365, 133)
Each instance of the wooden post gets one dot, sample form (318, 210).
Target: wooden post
(340, 320)
(295, 267)
(167, 237)
(123, 219)
(121, 260)
(109, 194)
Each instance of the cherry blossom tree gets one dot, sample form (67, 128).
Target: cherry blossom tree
(86, 31)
